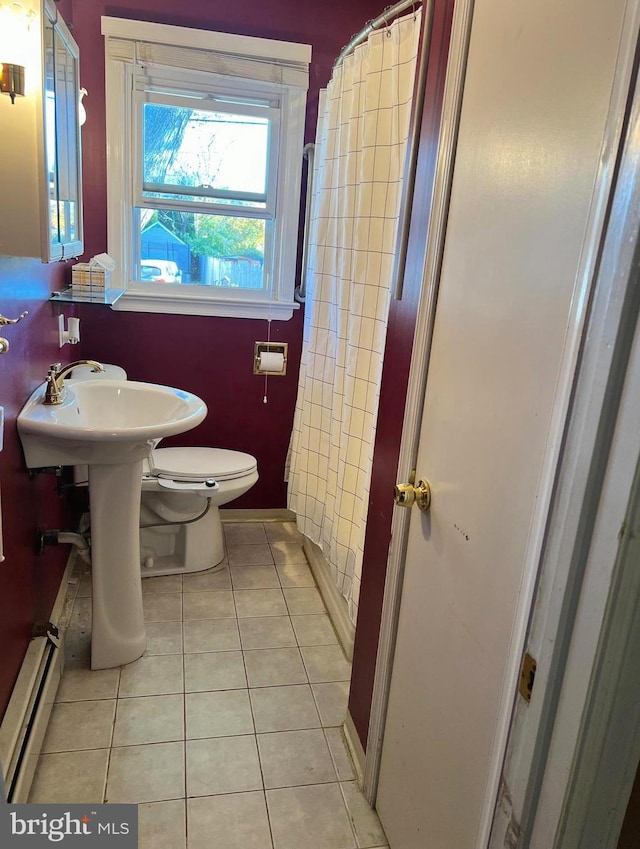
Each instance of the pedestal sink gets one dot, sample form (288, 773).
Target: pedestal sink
(109, 425)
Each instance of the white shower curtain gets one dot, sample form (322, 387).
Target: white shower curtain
(359, 164)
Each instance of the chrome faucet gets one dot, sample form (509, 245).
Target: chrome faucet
(56, 375)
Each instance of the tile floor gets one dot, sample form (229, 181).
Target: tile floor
(227, 732)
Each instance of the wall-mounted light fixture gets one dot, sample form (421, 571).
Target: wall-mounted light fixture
(15, 22)
(12, 80)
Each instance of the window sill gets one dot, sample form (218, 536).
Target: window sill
(133, 301)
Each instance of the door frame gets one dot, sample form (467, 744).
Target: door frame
(547, 506)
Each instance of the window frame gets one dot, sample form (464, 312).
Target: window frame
(284, 86)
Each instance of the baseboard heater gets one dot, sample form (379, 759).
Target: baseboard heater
(25, 721)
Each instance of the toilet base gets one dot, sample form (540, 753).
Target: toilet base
(169, 565)
(181, 549)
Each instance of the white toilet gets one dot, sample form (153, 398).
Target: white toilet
(182, 491)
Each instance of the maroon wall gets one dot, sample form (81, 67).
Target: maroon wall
(393, 390)
(28, 582)
(210, 356)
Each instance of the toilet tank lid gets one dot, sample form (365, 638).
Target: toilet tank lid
(110, 372)
(200, 463)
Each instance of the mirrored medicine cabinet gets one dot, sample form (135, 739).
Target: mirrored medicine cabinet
(40, 164)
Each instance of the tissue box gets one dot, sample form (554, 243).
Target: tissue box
(90, 281)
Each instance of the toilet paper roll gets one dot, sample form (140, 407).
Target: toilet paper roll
(271, 362)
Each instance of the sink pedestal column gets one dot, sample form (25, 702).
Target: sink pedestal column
(117, 632)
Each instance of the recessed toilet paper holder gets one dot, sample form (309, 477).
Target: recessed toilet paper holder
(260, 348)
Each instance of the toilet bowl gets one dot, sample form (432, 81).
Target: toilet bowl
(182, 491)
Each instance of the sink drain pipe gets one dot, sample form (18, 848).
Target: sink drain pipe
(66, 538)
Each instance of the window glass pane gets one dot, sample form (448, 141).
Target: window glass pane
(196, 248)
(206, 150)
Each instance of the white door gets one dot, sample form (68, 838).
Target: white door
(508, 320)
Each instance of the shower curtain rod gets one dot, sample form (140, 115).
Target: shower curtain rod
(382, 20)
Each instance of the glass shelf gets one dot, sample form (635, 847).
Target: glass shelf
(87, 295)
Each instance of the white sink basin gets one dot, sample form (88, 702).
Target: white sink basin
(109, 425)
(104, 421)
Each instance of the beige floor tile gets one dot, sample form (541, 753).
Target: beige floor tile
(85, 587)
(224, 777)
(325, 663)
(149, 719)
(152, 676)
(250, 555)
(81, 616)
(153, 773)
(295, 575)
(70, 600)
(284, 708)
(282, 532)
(244, 533)
(162, 607)
(164, 638)
(162, 584)
(77, 648)
(223, 713)
(291, 758)
(254, 577)
(162, 825)
(222, 765)
(209, 605)
(221, 670)
(70, 778)
(331, 701)
(314, 630)
(369, 832)
(211, 635)
(80, 684)
(288, 552)
(80, 725)
(340, 754)
(274, 667)
(260, 603)
(199, 582)
(312, 817)
(303, 601)
(266, 632)
(238, 820)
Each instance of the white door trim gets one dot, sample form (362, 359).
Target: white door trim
(601, 741)
(584, 277)
(452, 100)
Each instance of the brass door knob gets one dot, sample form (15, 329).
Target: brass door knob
(406, 495)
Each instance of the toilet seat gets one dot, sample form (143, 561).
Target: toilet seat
(181, 468)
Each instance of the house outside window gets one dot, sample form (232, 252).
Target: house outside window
(204, 159)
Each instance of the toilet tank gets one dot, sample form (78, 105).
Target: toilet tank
(110, 372)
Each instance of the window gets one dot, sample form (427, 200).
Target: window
(204, 158)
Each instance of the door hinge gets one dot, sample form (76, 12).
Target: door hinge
(527, 676)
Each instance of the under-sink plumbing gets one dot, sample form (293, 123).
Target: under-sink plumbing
(64, 538)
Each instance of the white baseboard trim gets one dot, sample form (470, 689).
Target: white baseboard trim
(355, 747)
(27, 716)
(277, 514)
(334, 602)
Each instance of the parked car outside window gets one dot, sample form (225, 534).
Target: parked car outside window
(160, 271)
